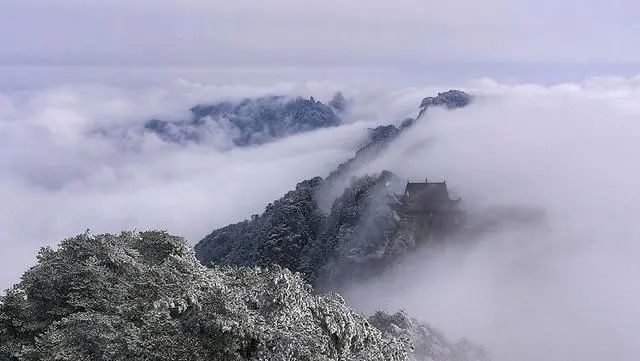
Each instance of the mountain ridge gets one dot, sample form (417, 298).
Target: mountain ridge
(250, 121)
(328, 228)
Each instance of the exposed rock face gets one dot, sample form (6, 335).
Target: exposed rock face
(248, 122)
(451, 99)
(428, 343)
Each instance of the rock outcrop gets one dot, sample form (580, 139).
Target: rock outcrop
(452, 99)
(247, 122)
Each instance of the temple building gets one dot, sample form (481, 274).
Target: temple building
(426, 205)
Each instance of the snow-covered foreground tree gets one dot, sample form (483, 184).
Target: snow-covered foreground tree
(428, 343)
(144, 296)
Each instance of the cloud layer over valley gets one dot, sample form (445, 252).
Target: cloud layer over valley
(71, 161)
(553, 171)
(551, 168)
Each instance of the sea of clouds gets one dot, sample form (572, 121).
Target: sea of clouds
(555, 169)
(562, 287)
(73, 157)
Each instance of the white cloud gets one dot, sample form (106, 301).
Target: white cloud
(562, 289)
(58, 177)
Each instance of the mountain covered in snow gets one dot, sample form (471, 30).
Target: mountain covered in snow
(250, 121)
(144, 296)
(333, 230)
(251, 290)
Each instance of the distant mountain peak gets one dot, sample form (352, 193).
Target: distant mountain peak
(247, 122)
(339, 102)
(452, 99)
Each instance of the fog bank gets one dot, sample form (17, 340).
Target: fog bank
(72, 160)
(560, 288)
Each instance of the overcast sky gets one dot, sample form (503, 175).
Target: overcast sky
(329, 32)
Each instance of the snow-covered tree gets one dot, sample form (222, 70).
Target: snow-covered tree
(144, 296)
(428, 344)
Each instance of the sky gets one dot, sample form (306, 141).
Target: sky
(320, 33)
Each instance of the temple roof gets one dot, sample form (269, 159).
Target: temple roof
(426, 196)
(428, 192)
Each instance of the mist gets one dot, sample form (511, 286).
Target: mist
(561, 285)
(70, 162)
(557, 284)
